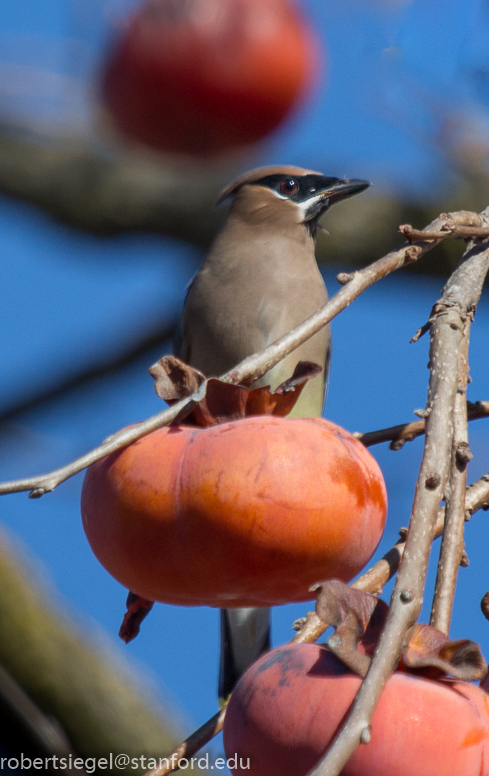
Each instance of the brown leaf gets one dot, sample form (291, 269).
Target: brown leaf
(429, 648)
(357, 618)
(137, 609)
(336, 600)
(224, 402)
(175, 380)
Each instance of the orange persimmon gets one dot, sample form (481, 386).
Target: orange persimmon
(245, 513)
(288, 705)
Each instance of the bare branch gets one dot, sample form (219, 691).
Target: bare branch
(477, 496)
(452, 544)
(406, 432)
(44, 483)
(468, 232)
(249, 370)
(459, 300)
(74, 680)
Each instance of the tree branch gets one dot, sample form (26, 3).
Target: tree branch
(406, 432)
(35, 726)
(191, 745)
(448, 320)
(451, 231)
(452, 543)
(70, 674)
(107, 193)
(250, 369)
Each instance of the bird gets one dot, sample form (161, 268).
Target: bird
(259, 280)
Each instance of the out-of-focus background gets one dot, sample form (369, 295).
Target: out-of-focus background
(99, 236)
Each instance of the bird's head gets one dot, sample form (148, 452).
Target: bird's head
(289, 194)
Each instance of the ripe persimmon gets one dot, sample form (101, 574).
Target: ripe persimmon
(203, 77)
(286, 708)
(245, 513)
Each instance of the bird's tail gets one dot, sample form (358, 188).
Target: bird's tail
(245, 635)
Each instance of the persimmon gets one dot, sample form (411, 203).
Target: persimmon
(245, 513)
(202, 77)
(287, 707)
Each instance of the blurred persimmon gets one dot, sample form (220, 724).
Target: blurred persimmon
(203, 77)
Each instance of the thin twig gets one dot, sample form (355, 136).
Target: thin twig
(251, 368)
(192, 744)
(459, 300)
(477, 496)
(406, 432)
(452, 543)
(450, 231)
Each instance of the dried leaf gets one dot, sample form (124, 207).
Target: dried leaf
(175, 380)
(431, 649)
(137, 609)
(336, 600)
(224, 402)
(357, 617)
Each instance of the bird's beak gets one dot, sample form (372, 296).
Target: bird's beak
(343, 188)
(335, 189)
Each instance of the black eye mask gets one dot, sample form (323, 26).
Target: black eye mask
(307, 186)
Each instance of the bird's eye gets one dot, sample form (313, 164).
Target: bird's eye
(288, 186)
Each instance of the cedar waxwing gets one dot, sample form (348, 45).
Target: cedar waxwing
(259, 280)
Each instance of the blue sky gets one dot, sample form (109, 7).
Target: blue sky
(66, 297)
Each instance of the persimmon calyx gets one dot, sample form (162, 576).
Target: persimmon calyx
(358, 618)
(224, 402)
